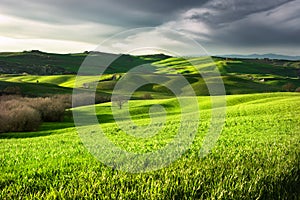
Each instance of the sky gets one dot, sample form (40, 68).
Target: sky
(219, 26)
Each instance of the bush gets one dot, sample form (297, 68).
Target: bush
(9, 97)
(147, 96)
(50, 109)
(86, 98)
(65, 99)
(297, 89)
(16, 116)
(26, 114)
(288, 87)
(12, 90)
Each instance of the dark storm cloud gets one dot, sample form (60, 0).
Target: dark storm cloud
(128, 13)
(222, 12)
(234, 23)
(271, 25)
(243, 24)
(232, 10)
(249, 34)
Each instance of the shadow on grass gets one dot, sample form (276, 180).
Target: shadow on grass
(286, 188)
(39, 89)
(105, 118)
(47, 128)
(51, 126)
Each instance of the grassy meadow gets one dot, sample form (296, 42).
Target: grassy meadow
(256, 156)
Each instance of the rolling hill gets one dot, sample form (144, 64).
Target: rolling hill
(41, 63)
(50, 73)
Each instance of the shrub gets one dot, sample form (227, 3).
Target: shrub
(147, 96)
(12, 90)
(288, 87)
(50, 109)
(82, 99)
(297, 89)
(9, 97)
(65, 99)
(4, 118)
(17, 116)
(86, 98)
(26, 114)
(101, 99)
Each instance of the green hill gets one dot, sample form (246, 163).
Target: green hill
(41, 63)
(50, 73)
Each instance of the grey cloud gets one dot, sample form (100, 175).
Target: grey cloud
(250, 35)
(129, 13)
(248, 24)
(221, 12)
(232, 23)
(164, 7)
(276, 27)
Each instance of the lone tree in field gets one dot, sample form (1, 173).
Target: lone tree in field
(119, 100)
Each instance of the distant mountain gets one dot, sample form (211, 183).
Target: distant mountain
(261, 56)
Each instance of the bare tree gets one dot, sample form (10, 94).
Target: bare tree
(119, 100)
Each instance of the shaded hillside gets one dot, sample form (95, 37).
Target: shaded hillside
(263, 56)
(40, 63)
(260, 67)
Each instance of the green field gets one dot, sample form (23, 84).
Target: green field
(55, 73)
(256, 156)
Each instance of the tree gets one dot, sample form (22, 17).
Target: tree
(289, 87)
(119, 100)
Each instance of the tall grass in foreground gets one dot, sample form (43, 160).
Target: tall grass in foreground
(256, 157)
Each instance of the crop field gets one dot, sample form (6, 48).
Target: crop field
(256, 156)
